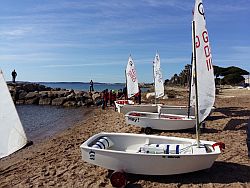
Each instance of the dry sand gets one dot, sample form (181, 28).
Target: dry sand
(56, 162)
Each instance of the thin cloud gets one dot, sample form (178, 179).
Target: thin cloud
(79, 65)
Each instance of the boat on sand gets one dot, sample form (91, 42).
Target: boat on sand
(163, 155)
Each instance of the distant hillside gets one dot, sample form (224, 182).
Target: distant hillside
(229, 75)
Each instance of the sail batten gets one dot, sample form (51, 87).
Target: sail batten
(12, 135)
(131, 78)
(158, 79)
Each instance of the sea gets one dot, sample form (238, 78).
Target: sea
(42, 122)
(83, 86)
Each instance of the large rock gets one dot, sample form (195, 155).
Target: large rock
(45, 101)
(58, 101)
(96, 95)
(70, 104)
(32, 95)
(88, 102)
(20, 102)
(32, 101)
(22, 94)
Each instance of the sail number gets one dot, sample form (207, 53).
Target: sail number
(206, 48)
(133, 119)
(132, 75)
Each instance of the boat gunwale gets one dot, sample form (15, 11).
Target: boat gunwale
(85, 145)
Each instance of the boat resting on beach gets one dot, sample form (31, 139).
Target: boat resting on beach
(159, 121)
(149, 154)
(162, 155)
(125, 106)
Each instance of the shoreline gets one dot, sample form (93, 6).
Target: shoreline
(57, 161)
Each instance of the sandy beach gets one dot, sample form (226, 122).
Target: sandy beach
(56, 162)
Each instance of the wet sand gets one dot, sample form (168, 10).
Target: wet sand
(56, 162)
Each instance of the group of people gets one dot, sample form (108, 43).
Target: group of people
(111, 96)
(108, 97)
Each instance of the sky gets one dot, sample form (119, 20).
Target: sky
(80, 40)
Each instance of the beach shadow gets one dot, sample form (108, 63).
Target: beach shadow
(220, 172)
(233, 111)
(157, 132)
(212, 118)
(190, 131)
(209, 130)
(236, 124)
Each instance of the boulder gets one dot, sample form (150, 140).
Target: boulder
(45, 101)
(70, 104)
(32, 95)
(95, 96)
(32, 101)
(88, 102)
(20, 102)
(44, 95)
(22, 94)
(58, 101)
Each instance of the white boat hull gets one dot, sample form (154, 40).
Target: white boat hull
(178, 110)
(124, 155)
(159, 121)
(138, 107)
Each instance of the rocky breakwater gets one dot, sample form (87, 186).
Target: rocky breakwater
(32, 93)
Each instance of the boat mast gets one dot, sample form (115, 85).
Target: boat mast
(154, 78)
(196, 88)
(126, 84)
(190, 85)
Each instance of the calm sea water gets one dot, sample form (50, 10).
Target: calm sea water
(41, 122)
(81, 86)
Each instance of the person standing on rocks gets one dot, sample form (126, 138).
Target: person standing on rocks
(91, 86)
(14, 75)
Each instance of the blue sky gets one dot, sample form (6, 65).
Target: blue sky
(79, 40)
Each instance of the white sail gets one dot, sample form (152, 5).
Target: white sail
(192, 87)
(158, 79)
(204, 67)
(131, 78)
(12, 135)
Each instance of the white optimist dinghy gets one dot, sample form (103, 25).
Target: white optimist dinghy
(12, 133)
(147, 154)
(159, 121)
(131, 84)
(162, 155)
(125, 106)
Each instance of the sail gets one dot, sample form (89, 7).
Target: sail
(131, 77)
(204, 67)
(192, 86)
(158, 80)
(12, 135)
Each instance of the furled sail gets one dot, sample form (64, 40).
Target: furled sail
(204, 67)
(131, 78)
(12, 135)
(158, 79)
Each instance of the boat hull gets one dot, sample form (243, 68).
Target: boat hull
(159, 121)
(178, 110)
(129, 161)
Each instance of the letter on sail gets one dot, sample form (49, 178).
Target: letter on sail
(158, 80)
(131, 77)
(12, 135)
(204, 67)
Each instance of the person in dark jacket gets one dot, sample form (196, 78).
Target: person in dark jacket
(91, 86)
(14, 75)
